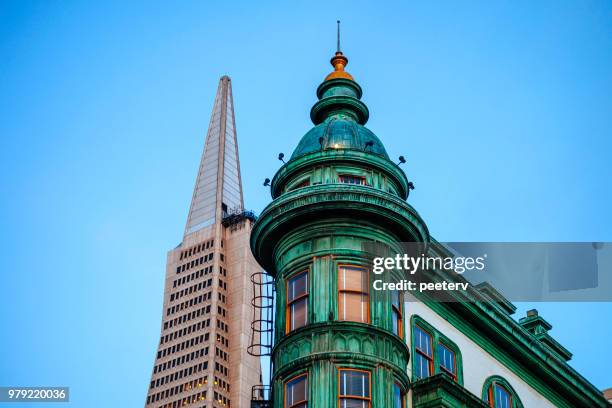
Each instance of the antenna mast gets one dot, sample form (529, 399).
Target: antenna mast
(338, 35)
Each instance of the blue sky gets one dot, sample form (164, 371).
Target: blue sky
(502, 109)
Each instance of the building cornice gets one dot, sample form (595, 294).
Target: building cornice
(333, 200)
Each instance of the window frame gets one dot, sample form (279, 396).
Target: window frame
(444, 369)
(355, 397)
(431, 358)
(367, 293)
(492, 393)
(302, 183)
(400, 314)
(402, 394)
(295, 377)
(288, 303)
(437, 339)
(354, 176)
(488, 387)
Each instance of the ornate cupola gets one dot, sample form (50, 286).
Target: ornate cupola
(338, 192)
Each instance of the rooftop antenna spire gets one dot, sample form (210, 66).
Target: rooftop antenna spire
(338, 22)
(339, 61)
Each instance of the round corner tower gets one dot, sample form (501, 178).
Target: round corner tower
(338, 343)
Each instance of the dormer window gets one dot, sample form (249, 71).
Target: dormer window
(351, 179)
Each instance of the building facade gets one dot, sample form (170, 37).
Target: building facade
(202, 358)
(337, 342)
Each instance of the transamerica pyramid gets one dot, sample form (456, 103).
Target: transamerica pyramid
(202, 358)
(219, 166)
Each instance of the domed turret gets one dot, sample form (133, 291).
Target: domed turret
(340, 139)
(339, 116)
(337, 194)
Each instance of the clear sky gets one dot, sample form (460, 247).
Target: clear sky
(503, 110)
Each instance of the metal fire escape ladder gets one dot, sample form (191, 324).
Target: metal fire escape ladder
(262, 332)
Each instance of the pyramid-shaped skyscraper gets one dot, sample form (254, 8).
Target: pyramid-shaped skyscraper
(202, 357)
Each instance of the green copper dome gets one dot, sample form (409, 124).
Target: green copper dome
(339, 132)
(339, 116)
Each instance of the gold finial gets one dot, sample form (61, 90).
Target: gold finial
(339, 61)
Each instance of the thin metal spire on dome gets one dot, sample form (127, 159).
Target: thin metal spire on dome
(339, 61)
(338, 22)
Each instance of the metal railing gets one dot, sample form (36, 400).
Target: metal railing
(261, 396)
(237, 215)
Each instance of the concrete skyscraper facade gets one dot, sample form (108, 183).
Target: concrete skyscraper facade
(202, 358)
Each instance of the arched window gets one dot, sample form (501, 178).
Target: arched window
(498, 393)
(433, 352)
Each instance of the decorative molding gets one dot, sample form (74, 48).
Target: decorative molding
(328, 202)
(332, 156)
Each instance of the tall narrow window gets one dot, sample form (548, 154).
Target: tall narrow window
(350, 179)
(296, 392)
(435, 353)
(396, 308)
(448, 362)
(354, 388)
(353, 294)
(424, 353)
(398, 401)
(297, 301)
